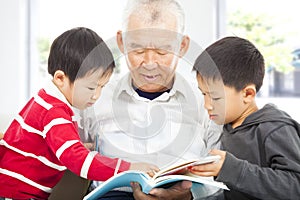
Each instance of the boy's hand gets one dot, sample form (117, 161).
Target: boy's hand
(145, 167)
(89, 146)
(210, 169)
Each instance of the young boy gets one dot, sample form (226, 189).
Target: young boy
(43, 139)
(261, 157)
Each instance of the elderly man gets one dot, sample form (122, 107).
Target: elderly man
(152, 113)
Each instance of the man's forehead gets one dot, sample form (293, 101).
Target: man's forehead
(146, 36)
(144, 20)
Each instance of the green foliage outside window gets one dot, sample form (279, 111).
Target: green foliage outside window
(259, 29)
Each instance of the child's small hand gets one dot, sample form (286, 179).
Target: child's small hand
(89, 146)
(210, 169)
(1, 135)
(145, 167)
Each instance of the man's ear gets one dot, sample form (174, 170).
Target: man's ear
(59, 79)
(249, 93)
(120, 41)
(184, 46)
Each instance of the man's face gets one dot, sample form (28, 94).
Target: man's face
(152, 53)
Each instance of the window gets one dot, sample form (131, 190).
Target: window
(274, 28)
(50, 18)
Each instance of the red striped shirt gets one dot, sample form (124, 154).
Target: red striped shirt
(41, 142)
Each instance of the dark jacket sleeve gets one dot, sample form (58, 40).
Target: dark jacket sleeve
(281, 180)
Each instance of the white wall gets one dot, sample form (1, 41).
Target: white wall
(200, 20)
(13, 59)
(200, 26)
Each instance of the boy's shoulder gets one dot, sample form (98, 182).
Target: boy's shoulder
(52, 103)
(48, 98)
(266, 120)
(273, 119)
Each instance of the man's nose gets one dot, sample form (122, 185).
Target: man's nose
(150, 57)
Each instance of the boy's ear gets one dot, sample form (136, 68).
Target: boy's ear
(249, 93)
(184, 46)
(120, 41)
(59, 78)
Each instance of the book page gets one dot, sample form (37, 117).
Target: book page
(122, 179)
(182, 167)
(189, 177)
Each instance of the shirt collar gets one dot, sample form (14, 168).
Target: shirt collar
(179, 86)
(52, 90)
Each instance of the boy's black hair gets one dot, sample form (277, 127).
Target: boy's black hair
(235, 61)
(79, 51)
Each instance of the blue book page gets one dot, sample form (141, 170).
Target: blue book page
(121, 180)
(188, 177)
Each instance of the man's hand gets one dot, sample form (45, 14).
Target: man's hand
(210, 169)
(179, 191)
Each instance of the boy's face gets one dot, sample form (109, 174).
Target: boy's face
(224, 104)
(85, 91)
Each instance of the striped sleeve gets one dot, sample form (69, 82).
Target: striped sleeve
(62, 136)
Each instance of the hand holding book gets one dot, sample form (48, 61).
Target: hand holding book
(144, 167)
(182, 168)
(210, 169)
(179, 190)
(161, 178)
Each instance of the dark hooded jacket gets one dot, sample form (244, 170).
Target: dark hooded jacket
(263, 157)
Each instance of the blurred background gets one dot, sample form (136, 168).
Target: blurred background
(28, 28)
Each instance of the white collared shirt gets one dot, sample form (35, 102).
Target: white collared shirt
(168, 129)
(172, 127)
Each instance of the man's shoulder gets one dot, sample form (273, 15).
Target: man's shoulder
(189, 89)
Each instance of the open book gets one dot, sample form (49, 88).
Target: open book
(165, 176)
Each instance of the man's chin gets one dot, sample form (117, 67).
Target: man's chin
(152, 88)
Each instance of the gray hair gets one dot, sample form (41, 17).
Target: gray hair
(154, 8)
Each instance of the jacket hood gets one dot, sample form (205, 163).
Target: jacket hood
(269, 113)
